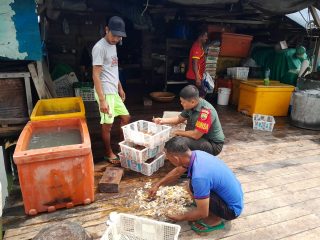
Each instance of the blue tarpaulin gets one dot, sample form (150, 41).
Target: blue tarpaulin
(19, 30)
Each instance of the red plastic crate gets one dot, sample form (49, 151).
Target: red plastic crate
(235, 45)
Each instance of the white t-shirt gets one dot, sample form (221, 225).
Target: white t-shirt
(105, 55)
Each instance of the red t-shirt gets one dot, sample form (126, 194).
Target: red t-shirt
(196, 52)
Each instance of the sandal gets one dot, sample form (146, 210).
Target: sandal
(115, 160)
(207, 228)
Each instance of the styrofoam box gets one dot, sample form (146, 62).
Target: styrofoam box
(263, 122)
(146, 133)
(145, 168)
(130, 227)
(129, 152)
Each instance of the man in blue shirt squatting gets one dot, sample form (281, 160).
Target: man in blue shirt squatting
(217, 192)
(206, 132)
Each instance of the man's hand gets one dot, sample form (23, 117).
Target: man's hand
(157, 120)
(153, 191)
(122, 94)
(104, 107)
(198, 83)
(174, 217)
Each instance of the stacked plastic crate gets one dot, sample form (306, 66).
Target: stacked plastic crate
(142, 148)
(211, 60)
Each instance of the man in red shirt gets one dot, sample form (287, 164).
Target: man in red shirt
(197, 65)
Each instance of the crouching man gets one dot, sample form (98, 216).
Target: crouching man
(217, 192)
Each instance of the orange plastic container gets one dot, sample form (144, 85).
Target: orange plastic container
(55, 177)
(235, 45)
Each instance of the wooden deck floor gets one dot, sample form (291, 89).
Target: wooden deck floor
(279, 172)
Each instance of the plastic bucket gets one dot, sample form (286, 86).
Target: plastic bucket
(223, 96)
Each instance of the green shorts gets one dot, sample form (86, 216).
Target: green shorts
(116, 106)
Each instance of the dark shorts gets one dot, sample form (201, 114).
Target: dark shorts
(218, 207)
(204, 145)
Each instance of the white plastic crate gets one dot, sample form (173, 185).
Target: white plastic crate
(263, 122)
(128, 149)
(146, 133)
(63, 85)
(181, 126)
(238, 72)
(130, 227)
(145, 168)
(84, 90)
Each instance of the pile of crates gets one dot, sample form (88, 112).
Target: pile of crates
(212, 60)
(142, 148)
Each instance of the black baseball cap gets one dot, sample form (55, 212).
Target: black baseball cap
(117, 26)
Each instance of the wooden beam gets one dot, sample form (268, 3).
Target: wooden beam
(316, 19)
(316, 57)
(110, 181)
(15, 75)
(251, 22)
(315, 15)
(40, 85)
(28, 94)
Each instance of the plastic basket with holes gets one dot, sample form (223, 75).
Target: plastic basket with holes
(63, 85)
(181, 126)
(146, 133)
(263, 122)
(146, 168)
(85, 90)
(130, 227)
(139, 153)
(238, 72)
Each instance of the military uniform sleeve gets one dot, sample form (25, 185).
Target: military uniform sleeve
(184, 114)
(204, 121)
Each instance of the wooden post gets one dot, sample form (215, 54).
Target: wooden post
(316, 19)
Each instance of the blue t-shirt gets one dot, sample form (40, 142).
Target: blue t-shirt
(209, 174)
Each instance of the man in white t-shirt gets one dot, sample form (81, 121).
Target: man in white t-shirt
(108, 89)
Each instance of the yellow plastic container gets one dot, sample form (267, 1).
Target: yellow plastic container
(58, 108)
(272, 100)
(236, 88)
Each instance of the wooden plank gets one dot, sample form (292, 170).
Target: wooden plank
(15, 75)
(42, 78)
(110, 180)
(281, 230)
(281, 201)
(12, 131)
(28, 94)
(12, 121)
(40, 87)
(310, 234)
(258, 221)
(279, 190)
(48, 79)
